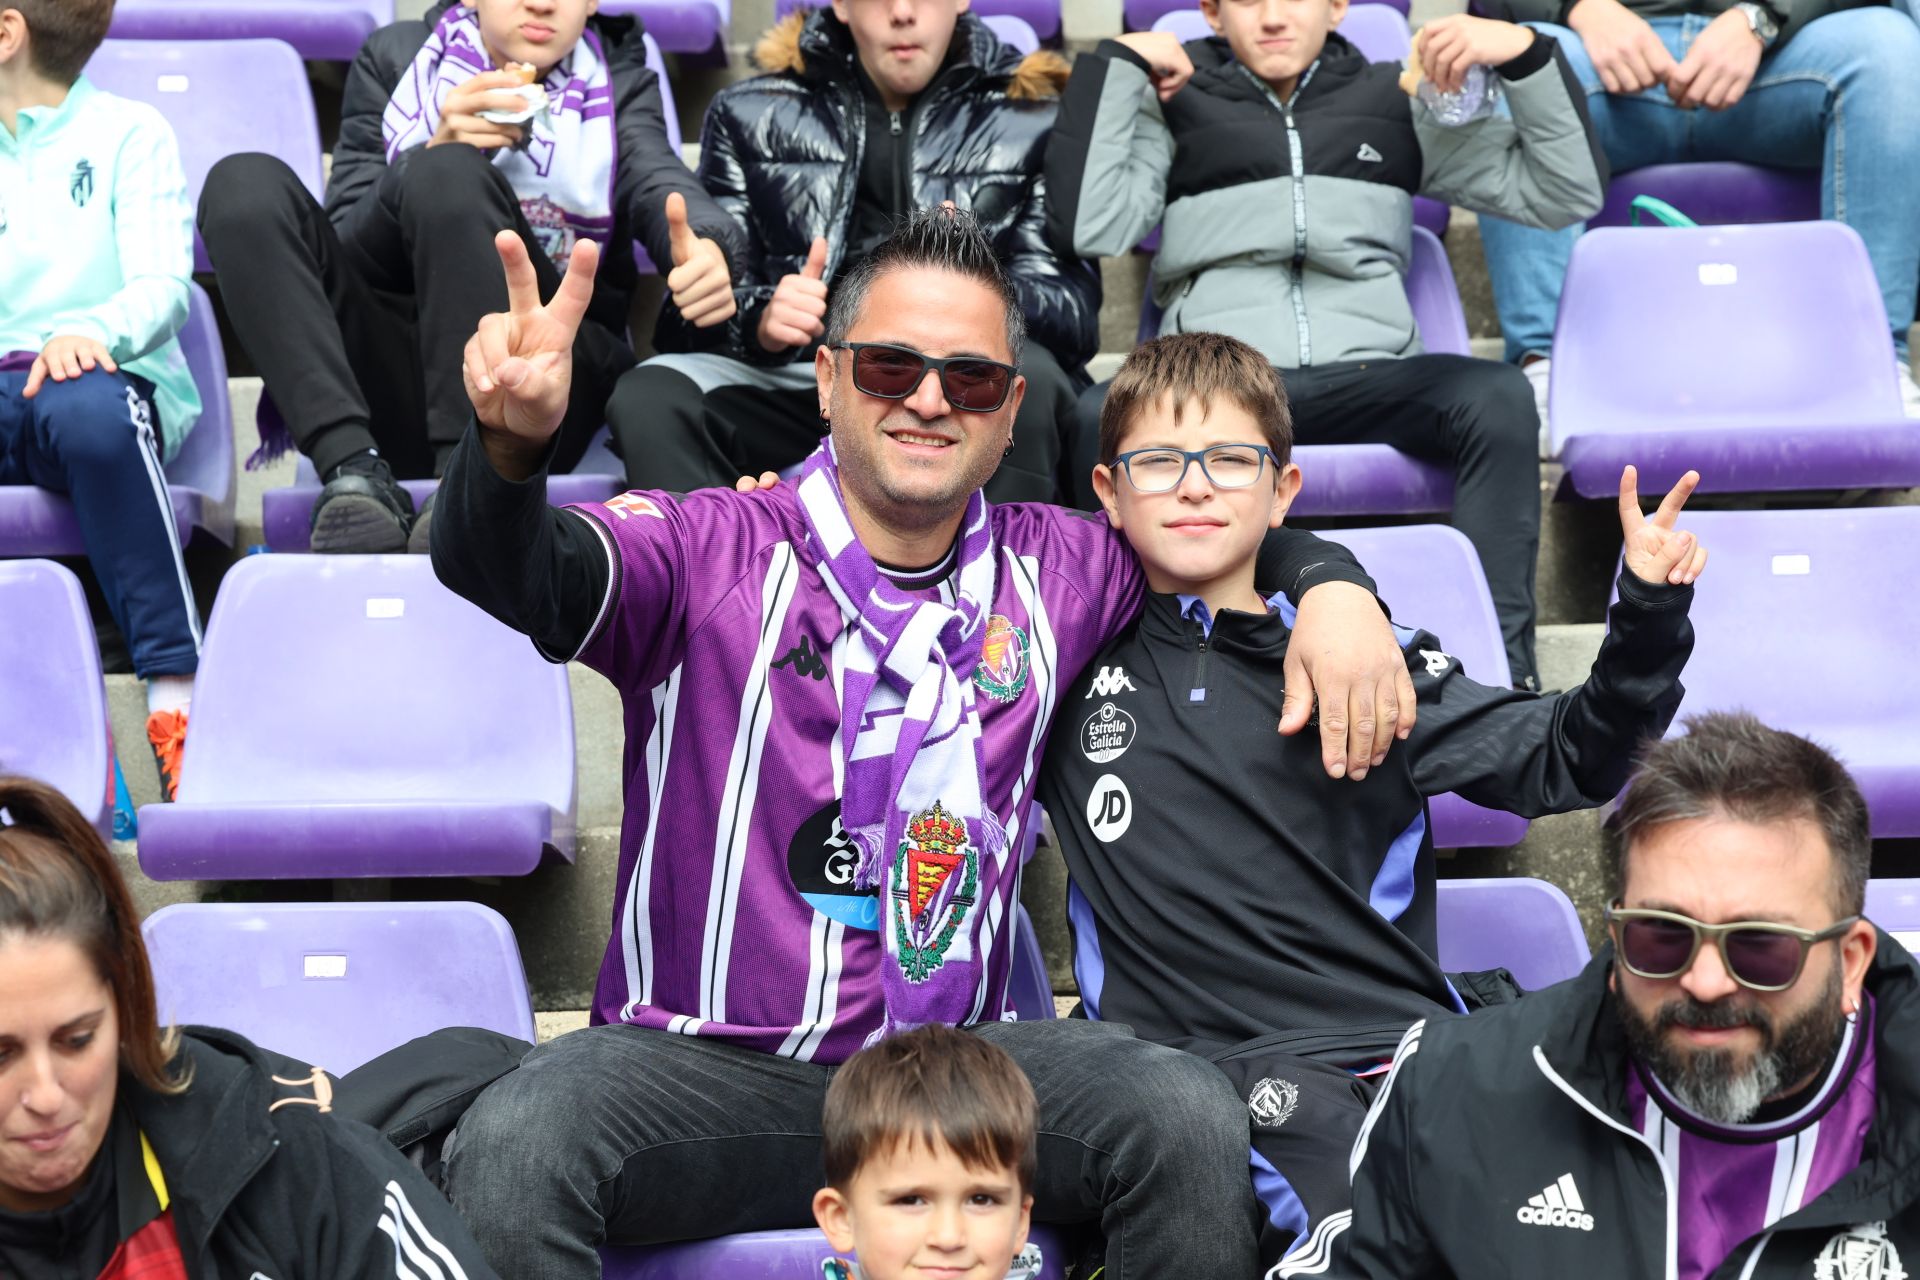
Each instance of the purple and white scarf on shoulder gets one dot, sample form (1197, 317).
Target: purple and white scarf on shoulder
(913, 795)
(564, 173)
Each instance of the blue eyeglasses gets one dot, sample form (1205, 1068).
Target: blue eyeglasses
(1226, 466)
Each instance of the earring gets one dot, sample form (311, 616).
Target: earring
(1008, 451)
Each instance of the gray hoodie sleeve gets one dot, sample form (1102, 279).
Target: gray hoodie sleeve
(1538, 163)
(1108, 158)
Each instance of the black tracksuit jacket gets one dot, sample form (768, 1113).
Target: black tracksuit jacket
(1480, 1113)
(1224, 887)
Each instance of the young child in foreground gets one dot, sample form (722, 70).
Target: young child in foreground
(929, 1149)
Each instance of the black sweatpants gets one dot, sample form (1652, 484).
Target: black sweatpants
(359, 331)
(701, 421)
(1477, 416)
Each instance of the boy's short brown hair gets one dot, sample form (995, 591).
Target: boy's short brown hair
(1203, 367)
(936, 1084)
(65, 33)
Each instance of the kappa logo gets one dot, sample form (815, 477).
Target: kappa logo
(1437, 662)
(1860, 1253)
(1272, 1101)
(1107, 734)
(1109, 808)
(1110, 681)
(1557, 1206)
(804, 659)
(1368, 154)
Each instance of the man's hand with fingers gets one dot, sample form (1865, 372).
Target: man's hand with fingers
(1720, 64)
(1654, 550)
(797, 314)
(701, 285)
(519, 365)
(1161, 50)
(66, 356)
(1343, 654)
(1624, 48)
(460, 114)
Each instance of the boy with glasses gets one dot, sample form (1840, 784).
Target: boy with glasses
(1229, 899)
(1727, 1091)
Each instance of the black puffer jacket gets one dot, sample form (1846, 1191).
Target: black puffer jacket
(649, 168)
(781, 153)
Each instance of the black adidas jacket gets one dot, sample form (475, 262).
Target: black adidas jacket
(1480, 1113)
(1224, 888)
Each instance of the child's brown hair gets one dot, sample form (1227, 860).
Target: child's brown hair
(939, 1086)
(64, 33)
(1201, 367)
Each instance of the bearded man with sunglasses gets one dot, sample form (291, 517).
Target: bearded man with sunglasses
(1730, 1090)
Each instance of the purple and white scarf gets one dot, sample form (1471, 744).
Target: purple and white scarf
(564, 174)
(913, 797)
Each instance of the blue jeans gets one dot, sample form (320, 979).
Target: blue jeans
(1842, 96)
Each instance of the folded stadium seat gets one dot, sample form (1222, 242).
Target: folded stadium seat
(695, 29)
(1758, 355)
(1378, 30)
(1430, 575)
(353, 717)
(200, 482)
(324, 30)
(1833, 583)
(53, 703)
(221, 97)
(1894, 905)
(1378, 479)
(1716, 192)
(337, 983)
(1042, 18)
(1145, 15)
(1517, 923)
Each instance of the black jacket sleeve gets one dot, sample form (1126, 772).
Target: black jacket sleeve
(360, 154)
(1059, 296)
(1295, 561)
(542, 571)
(724, 175)
(1532, 755)
(1382, 1237)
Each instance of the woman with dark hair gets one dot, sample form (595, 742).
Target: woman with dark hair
(129, 1151)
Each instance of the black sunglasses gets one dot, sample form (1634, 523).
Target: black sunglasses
(972, 383)
(1759, 955)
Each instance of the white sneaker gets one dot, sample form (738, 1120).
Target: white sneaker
(1537, 373)
(1909, 389)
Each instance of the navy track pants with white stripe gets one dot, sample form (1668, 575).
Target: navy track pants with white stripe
(94, 439)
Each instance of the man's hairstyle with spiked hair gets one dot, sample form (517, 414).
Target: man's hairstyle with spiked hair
(942, 237)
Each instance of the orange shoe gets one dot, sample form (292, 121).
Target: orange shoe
(167, 731)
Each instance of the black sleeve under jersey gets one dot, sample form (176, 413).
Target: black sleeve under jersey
(1295, 561)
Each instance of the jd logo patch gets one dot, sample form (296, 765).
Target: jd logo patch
(1109, 808)
(821, 862)
(1002, 673)
(936, 874)
(1107, 734)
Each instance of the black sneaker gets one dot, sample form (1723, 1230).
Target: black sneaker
(362, 510)
(419, 542)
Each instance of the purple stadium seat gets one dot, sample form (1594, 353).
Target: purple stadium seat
(786, 1255)
(353, 717)
(1145, 15)
(1525, 926)
(1431, 577)
(325, 30)
(337, 983)
(1758, 355)
(1377, 479)
(1786, 584)
(1041, 16)
(287, 512)
(36, 522)
(694, 28)
(53, 703)
(1894, 905)
(1716, 193)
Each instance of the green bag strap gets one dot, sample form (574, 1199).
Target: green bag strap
(1657, 208)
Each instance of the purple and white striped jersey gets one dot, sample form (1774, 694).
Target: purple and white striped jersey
(735, 914)
(1735, 1181)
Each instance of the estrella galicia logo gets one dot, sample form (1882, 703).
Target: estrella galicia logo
(81, 186)
(804, 659)
(821, 862)
(1107, 734)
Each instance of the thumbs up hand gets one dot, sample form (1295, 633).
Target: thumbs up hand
(701, 286)
(797, 313)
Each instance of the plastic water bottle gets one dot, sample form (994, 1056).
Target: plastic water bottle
(1477, 98)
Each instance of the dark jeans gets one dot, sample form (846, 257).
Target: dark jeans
(1477, 416)
(360, 331)
(697, 422)
(643, 1136)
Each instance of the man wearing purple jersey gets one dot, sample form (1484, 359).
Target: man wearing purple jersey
(837, 696)
(1731, 1090)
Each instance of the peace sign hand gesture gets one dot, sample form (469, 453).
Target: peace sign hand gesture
(1655, 550)
(519, 365)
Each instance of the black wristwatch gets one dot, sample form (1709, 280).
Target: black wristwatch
(1765, 29)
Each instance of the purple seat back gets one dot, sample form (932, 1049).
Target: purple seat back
(1430, 577)
(1042, 18)
(221, 97)
(1759, 355)
(696, 28)
(53, 703)
(337, 983)
(325, 30)
(786, 1255)
(1525, 926)
(1716, 192)
(1894, 905)
(1785, 584)
(354, 717)
(200, 481)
